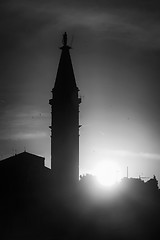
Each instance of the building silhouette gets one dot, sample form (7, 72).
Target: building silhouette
(23, 175)
(65, 123)
(29, 190)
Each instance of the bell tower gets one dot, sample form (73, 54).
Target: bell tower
(65, 123)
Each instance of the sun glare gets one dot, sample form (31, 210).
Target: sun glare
(107, 173)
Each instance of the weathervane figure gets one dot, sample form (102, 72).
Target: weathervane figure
(64, 40)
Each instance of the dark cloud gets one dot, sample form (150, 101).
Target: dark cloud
(19, 22)
(101, 4)
(132, 21)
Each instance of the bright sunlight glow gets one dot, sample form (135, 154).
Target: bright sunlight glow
(107, 173)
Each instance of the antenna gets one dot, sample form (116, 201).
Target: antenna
(127, 171)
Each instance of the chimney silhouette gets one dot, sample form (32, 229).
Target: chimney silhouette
(65, 123)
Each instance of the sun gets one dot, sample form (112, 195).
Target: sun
(108, 173)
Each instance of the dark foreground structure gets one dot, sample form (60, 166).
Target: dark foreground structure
(40, 203)
(32, 208)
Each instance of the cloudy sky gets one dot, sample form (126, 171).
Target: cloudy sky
(116, 55)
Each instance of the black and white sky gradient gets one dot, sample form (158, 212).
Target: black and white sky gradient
(115, 55)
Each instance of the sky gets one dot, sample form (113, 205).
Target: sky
(115, 55)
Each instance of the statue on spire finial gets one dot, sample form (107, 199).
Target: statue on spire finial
(64, 40)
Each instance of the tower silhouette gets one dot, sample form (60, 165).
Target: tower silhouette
(65, 123)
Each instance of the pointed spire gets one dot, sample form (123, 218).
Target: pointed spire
(65, 78)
